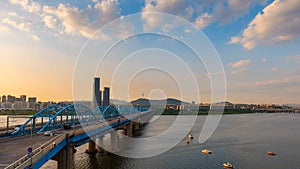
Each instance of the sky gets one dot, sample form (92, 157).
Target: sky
(42, 42)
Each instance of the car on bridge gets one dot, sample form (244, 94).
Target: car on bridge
(48, 133)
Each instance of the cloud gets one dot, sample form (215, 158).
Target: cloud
(85, 22)
(279, 22)
(23, 26)
(274, 69)
(263, 59)
(176, 7)
(30, 6)
(12, 14)
(203, 20)
(3, 28)
(293, 58)
(23, 3)
(240, 63)
(226, 11)
(279, 81)
(50, 21)
(36, 38)
(238, 72)
(219, 11)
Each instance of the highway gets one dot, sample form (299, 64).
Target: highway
(12, 149)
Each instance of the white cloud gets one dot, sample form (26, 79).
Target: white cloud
(263, 59)
(278, 22)
(219, 11)
(50, 21)
(203, 20)
(293, 58)
(85, 22)
(12, 14)
(3, 28)
(226, 11)
(30, 6)
(278, 81)
(23, 26)
(238, 72)
(23, 3)
(240, 63)
(36, 38)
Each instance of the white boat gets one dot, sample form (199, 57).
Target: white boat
(205, 151)
(227, 165)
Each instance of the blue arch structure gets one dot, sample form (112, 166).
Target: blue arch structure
(77, 113)
(30, 125)
(72, 114)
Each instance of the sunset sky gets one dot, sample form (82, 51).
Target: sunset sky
(258, 42)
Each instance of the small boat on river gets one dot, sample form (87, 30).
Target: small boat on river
(271, 153)
(205, 151)
(227, 165)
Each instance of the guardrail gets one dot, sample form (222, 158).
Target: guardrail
(36, 153)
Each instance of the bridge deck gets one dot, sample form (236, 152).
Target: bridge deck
(14, 148)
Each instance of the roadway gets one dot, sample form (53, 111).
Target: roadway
(14, 148)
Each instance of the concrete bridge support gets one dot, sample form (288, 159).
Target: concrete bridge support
(114, 141)
(91, 147)
(136, 126)
(99, 143)
(65, 156)
(128, 129)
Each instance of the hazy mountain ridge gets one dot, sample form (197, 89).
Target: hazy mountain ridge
(168, 101)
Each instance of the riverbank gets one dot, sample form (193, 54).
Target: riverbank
(18, 112)
(165, 112)
(186, 112)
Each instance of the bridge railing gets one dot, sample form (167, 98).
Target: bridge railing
(37, 153)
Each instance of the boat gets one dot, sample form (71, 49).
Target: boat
(227, 165)
(205, 151)
(271, 153)
(191, 136)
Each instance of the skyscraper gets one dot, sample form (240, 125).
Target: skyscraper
(106, 96)
(11, 99)
(97, 93)
(23, 98)
(3, 98)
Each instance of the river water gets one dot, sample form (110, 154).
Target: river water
(241, 139)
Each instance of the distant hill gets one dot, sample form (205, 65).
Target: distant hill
(294, 105)
(118, 102)
(147, 102)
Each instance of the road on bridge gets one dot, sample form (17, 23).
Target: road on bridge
(14, 148)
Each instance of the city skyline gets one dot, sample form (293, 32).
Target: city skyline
(257, 41)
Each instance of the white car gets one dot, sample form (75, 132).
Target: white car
(48, 133)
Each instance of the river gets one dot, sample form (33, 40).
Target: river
(241, 139)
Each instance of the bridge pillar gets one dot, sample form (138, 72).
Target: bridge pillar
(136, 126)
(114, 141)
(128, 129)
(99, 143)
(91, 147)
(65, 156)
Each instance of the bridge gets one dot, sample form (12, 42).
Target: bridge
(72, 125)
